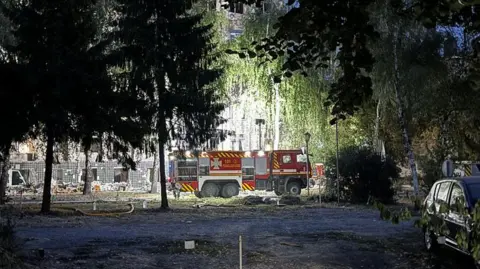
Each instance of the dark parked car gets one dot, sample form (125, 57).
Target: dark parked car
(460, 196)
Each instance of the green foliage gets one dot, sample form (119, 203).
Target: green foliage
(364, 175)
(311, 30)
(430, 165)
(167, 53)
(306, 37)
(435, 222)
(251, 80)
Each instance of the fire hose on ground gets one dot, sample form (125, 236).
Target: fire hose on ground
(102, 214)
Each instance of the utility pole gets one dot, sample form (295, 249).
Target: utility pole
(259, 122)
(338, 168)
(307, 139)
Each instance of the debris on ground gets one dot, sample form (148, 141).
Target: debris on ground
(279, 201)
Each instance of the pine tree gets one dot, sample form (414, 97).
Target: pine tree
(167, 54)
(56, 43)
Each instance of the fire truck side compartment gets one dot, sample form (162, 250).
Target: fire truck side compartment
(207, 180)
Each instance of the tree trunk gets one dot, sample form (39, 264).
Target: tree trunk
(376, 141)
(47, 196)
(4, 167)
(276, 141)
(101, 149)
(87, 189)
(154, 174)
(79, 170)
(162, 139)
(401, 114)
(163, 180)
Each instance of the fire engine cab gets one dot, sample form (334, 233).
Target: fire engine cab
(225, 173)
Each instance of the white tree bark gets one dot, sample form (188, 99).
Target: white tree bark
(401, 112)
(276, 135)
(154, 175)
(376, 141)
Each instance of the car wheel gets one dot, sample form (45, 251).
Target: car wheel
(430, 240)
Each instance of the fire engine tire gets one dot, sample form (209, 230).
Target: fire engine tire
(229, 190)
(210, 190)
(278, 193)
(294, 188)
(197, 194)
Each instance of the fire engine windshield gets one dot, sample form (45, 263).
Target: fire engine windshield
(302, 158)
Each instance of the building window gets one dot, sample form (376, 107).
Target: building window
(236, 8)
(120, 175)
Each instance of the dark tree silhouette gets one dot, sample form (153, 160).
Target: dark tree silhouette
(167, 55)
(57, 43)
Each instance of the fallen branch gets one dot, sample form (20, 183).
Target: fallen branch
(290, 244)
(210, 205)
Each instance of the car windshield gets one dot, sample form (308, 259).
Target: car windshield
(474, 191)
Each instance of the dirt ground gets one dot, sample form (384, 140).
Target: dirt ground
(272, 237)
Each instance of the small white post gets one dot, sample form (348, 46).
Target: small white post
(240, 250)
(144, 204)
(94, 205)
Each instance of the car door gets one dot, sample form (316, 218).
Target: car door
(440, 202)
(455, 219)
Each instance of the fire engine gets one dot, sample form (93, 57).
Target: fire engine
(224, 173)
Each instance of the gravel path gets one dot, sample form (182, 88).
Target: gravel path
(272, 238)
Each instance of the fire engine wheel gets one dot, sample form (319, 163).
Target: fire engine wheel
(294, 188)
(278, 193)
(210, 190)
(197, 194)
(230, 190)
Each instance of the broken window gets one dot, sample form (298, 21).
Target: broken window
(120, 175)
(58, 175)
(17, 178)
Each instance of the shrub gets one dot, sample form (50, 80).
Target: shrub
(363, 174)
(431, 167)
(8, 259)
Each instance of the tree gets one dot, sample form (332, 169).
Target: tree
(167, 56)
(366, 176)
(56, 45)
(309, 33)
(16, 116)
(312, 29)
